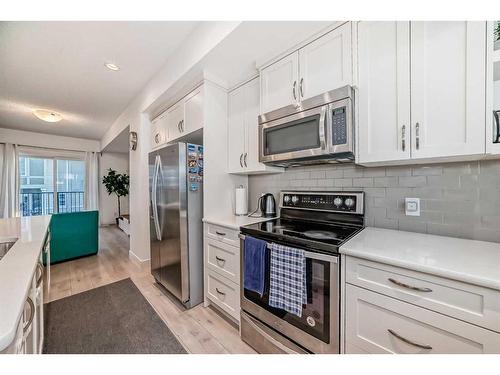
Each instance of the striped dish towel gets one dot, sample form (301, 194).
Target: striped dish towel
(287, 289)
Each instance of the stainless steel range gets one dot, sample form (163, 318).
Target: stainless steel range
(318, 223)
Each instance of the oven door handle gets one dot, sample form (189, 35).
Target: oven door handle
(309, 254)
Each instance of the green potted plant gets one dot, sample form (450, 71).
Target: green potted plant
(118, 184)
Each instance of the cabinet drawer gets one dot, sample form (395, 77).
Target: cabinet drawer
(224, 293)
(471, 303)
(226, 235)
(404, 328)
(224, 259)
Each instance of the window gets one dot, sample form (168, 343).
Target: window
(50, 185)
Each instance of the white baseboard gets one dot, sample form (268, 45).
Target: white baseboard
(136, 258)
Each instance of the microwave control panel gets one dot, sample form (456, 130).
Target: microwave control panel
(339, 126)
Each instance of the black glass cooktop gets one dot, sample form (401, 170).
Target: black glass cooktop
(315, 235)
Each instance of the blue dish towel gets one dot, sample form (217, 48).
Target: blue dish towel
(287, 289)
(255, 264)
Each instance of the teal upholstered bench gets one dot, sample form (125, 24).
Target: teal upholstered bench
(73, 235)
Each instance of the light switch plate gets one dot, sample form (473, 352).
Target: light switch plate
(412, 206)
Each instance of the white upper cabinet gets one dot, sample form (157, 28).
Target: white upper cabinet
(326, 63)
(320, 66)
(448, 88)
(444, 65)
(159, 131)
(279, 83)
(236, 130)
(175, 118)
(243, 131)
(193, 111)
(252, 129)
(184, 117)
(493, 89)
(383, 91)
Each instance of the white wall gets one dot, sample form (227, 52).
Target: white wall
(108, 205)
(496, 95)
(203, 40)
(26, 138)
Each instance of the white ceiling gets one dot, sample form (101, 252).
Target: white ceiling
(60, 66)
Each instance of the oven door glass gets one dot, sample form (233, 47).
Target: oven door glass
(297, 135)
(315, 318)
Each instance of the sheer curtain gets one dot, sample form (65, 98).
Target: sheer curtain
(92, 181)
(9, 199)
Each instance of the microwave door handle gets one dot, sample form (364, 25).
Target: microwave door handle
(496, 114)
(322, 119)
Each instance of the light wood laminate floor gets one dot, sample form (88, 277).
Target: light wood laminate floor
(200, 330)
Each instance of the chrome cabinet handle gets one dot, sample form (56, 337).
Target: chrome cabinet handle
(245, 159)
(417, 135)
(421, 346)
(221, 293)
(301, 87)
(220, 233)
(156, 138)
(399, 283)
(293, 90)
(32, 315)
(403, 137)
(182, 126)
(241, 160)
(220, 259)
(40, 278)
(179, 127)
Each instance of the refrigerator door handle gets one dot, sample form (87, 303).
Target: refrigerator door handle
(154, 198)
(184, 225)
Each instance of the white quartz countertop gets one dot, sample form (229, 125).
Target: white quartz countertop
(17, 268)
(474, 262)
(235, 222)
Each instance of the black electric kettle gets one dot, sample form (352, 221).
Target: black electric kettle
(267, 205)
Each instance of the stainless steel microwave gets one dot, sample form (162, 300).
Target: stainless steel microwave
(318, 130)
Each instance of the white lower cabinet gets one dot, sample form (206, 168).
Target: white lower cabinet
(390, 309)
(380, 324)
(29, 331)
(224, 259)
(222, 269)
(224, 293)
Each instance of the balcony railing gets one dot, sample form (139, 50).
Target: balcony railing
(42, 203)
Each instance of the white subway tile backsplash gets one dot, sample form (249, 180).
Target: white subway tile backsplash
(457, 199)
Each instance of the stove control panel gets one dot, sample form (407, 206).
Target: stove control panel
(348, 202)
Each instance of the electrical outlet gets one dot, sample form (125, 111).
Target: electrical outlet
(412, 206)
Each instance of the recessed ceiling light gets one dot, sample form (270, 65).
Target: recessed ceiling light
(112, 66)
(48, 116)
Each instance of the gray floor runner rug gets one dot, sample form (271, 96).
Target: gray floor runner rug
(114, 318)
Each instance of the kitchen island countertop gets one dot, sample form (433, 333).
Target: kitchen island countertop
(17, 268)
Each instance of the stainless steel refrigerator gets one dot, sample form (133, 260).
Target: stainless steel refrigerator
(176, 211)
